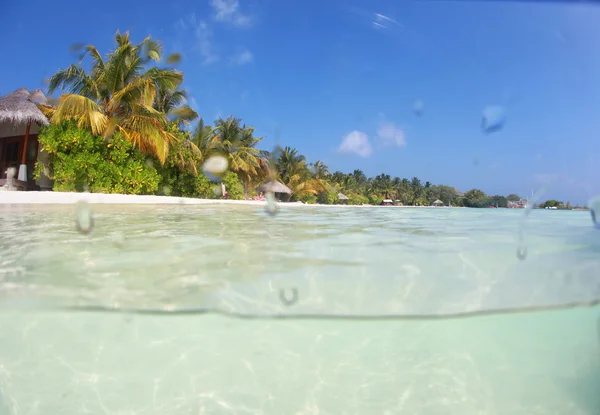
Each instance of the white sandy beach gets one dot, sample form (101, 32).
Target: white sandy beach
(62, 198)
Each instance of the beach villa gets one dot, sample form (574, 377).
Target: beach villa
(20, 123)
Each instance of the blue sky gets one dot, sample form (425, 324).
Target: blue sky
(340, 79)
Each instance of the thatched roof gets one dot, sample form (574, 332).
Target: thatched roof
(438, 202)
(20, 107)
(275, 187)
(342, 196)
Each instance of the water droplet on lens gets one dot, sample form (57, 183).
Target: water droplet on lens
(166, 190)
(149, 163)
(522, 253)
(594, 204)
(271, 204)
(286, 299)
(418, 107)
(215, 165)
(118, 240)
(493, 118)
(84, 220)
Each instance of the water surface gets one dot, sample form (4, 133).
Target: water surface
(326, 270)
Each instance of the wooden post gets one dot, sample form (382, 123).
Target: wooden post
(24, 156)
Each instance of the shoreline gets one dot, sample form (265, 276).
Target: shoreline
(69, 198)
(8, 198)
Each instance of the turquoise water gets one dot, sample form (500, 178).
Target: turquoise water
(313, 311)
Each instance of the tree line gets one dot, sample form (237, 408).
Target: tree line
(123, 125)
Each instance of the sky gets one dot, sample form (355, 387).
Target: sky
(383, 86)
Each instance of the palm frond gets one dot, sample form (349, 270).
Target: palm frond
(77, 107)
(182, 113)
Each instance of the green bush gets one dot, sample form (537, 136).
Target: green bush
(308, 198)
(179, 174)
(422, 202)
(234, 186)
(356, 199)
(327, 198)
(79, 160)
(375, 199)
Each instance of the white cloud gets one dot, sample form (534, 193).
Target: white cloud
(381, 21)
(391, 135)
(189, 28)
(243, 57)
(356, 142)
(204, 38)
(225, 11)
(193, 103)
(229, 11)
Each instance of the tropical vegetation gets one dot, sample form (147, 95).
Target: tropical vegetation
(123, 125)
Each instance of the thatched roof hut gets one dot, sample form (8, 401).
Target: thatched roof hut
(438, 202)
(20, 122)
(20, 107)
(274, 187)
(342, 196)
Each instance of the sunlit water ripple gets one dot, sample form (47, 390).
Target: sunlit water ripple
(340, 261)
(385, 265)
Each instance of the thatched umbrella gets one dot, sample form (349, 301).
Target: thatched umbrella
(21, 108)
(274, 187)
(438, 202)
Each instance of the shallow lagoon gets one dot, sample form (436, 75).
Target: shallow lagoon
(316, 310)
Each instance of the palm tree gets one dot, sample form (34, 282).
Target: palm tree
(289, 162)
(294, 172)
(417, 188)
(202, 137)
(118, 94)
(383, 185)
(238, 143)
(320, 170)
(172, 102)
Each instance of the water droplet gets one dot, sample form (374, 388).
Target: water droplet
(595, 211)
(118, 240)
(271, 204)
(149, 163)
(493, 118)
(288, 300)
(522, 253)
(418, 106)
(166, 190)
(215, 165)
(84, 220)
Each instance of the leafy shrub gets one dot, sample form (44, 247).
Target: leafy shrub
(375, 199)
(327, 198)
(356, 199)
(234, 186)
(308, 198)
(79, 160)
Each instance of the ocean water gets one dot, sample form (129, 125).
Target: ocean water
(223, 309)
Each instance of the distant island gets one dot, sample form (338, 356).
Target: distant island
(122, 125)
